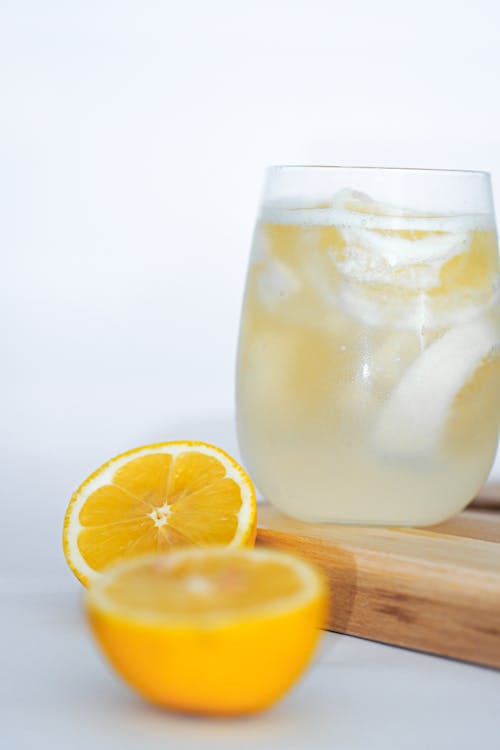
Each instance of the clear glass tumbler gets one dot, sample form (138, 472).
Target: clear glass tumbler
(368, 386)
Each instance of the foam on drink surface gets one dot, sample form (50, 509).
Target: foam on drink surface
(350, 208)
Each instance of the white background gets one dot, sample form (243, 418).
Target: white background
(133, 139)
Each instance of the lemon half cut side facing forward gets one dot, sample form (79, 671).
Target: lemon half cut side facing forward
(154, 498)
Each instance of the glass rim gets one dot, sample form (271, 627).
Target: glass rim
(404, 170)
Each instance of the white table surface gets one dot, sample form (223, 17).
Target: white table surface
(55, 691)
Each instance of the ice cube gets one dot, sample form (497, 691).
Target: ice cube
(275, 282)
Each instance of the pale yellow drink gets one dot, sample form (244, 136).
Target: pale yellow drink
(369, 371)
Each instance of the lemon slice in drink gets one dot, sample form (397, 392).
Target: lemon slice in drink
(153, 498)
(412, 420)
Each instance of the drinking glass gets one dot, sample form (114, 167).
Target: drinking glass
(368, 383)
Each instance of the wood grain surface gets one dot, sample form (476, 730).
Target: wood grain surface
(434, 589)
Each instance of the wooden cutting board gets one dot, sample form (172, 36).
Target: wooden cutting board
(434, 589)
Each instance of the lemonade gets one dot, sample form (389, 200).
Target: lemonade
(368, 382)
